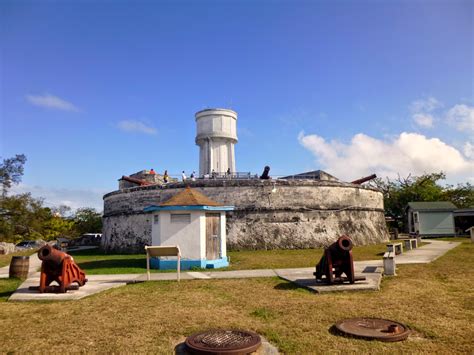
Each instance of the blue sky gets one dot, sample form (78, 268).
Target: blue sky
(91, 91)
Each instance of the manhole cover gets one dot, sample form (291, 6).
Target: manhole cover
(373, 328)
(223, 342)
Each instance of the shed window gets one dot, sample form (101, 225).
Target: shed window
(415, 217)
(156, 219)
(181, 218)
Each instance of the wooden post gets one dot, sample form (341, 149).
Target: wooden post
(179, 265)
(163, 250)
(147, 264)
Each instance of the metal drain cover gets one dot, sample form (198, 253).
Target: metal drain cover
(373, 328)
(222, 341)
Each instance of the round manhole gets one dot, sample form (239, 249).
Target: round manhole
(373, 328)
(221, 341)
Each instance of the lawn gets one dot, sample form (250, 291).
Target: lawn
(95, 262)
(5, 259)
(436, 300)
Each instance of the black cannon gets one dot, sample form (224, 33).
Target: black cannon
(337, 260)
(265, 175)
(364, 179)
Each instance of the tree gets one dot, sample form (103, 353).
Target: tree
(62, 210)
(462, 195)
(11, 171)
(88, 220)
(24, 217)
(400, 191)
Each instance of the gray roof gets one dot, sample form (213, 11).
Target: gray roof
(312, 175)
(432, 206)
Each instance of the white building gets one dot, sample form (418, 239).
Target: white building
(216, 136)
(196, 224)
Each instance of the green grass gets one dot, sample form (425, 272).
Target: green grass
(95, 262)
(6, 259)
(7, 287)
(435, 300)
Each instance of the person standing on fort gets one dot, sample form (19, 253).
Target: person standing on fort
(152, 172)
(193, 176)
(166, 177)
(183, 176)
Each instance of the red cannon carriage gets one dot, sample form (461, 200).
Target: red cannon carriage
(337, 260)
(60, 267)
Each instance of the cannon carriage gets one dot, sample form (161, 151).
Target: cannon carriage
(60, 267)
(336, 261)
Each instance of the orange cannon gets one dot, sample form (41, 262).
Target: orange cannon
(60, 267)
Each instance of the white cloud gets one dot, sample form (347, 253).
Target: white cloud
(469, 150)
(135, 126)
(462, 117)
(50, 101)
(409, 153)
(425, 105)
(421, 109)
(54, 197)
(423, 119)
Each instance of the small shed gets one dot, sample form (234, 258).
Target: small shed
(463, 220)
(196, 224)
(431, 218)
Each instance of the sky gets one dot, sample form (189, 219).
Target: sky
(93, 90)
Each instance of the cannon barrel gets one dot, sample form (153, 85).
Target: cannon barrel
(49, 254)
(364, 179)
(60, 267)
(336, 261)
(342, 244)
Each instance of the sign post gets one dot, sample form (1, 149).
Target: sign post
(154, 251)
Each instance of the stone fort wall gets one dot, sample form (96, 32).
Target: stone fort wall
(269, 214)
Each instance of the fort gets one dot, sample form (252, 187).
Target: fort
(299, 211)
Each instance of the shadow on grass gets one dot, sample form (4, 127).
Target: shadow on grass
(334, 331)
(287, 286)
(137, 263)
(291, 286)
(98, 252)
(8, 287)
(6, 294)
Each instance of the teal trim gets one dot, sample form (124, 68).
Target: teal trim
(157, 263)
(154, 208)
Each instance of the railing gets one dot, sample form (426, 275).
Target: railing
(248, 176)
(235, 175)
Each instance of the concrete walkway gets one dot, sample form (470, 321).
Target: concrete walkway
(371, 269)
(35, 264)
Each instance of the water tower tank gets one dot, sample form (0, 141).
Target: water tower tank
(216, 135)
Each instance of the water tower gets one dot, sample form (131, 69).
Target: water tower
(216, 135)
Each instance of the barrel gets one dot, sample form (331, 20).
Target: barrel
(19, 267)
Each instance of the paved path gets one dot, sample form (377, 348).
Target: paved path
(35, 264)
(371, 269)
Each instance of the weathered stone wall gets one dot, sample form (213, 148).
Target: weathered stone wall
(302, 229)
(269, 214)
(6, 248)
(126, 233)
